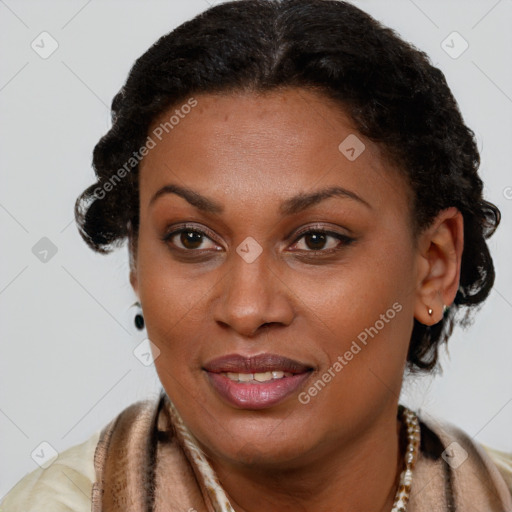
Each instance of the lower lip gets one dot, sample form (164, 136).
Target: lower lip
(261, 395)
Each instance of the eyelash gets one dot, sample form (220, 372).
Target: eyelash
(343, 239)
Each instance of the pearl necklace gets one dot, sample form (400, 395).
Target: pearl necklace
(412, 425)
(221, 502)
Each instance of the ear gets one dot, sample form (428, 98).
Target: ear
(440, 249)
(132, 254)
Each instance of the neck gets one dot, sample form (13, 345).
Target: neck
(357, 476)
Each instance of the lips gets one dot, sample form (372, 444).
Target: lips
(260, 363)
(256, 382)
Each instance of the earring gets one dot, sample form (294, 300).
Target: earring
(139, 318)
(430, 311)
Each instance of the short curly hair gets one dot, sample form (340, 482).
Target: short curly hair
(390, 90)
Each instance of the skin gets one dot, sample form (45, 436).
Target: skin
(250, 152)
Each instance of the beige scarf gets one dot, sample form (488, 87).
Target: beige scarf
(147, 461)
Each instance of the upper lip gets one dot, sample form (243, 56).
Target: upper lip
(236, 363)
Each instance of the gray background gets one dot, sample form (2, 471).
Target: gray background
(67, 363)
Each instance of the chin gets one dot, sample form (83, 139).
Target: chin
(259, 445)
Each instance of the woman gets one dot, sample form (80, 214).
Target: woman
(305, 221)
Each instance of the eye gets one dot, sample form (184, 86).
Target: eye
(314, 240)
(189, 239)
(321, 240)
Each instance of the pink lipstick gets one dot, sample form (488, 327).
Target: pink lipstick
(256, 382)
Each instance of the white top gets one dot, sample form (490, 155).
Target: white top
(66, 485)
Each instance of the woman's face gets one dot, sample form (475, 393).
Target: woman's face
(252, 274)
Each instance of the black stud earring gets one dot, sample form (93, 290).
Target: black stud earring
(139, 318)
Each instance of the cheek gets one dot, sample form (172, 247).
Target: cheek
(166, 289)
(350, 297)
(173, 307)
(364, 350)
(174, 314)
(369, 332)
(363, 314)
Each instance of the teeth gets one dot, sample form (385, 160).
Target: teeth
(263, 377)
(258, 377)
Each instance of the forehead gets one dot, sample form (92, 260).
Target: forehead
(249, 147)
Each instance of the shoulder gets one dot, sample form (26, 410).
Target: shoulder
(67, 484)
(64, 486)
(493, 466)
(503, 461)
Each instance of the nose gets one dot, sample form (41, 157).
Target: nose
(252, 297)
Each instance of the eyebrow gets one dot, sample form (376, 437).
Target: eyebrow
(290, 206)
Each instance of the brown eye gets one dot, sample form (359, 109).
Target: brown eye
(191, 239)
(315, 241)
(188, 239)
(321, 241)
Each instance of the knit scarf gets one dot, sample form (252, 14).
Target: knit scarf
(147, 461)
